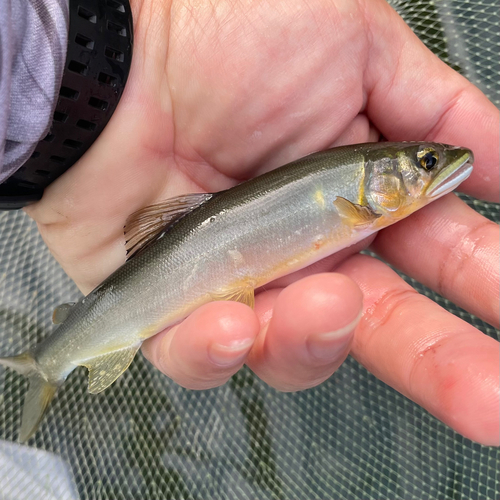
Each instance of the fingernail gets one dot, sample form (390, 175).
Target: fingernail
(330, 345)
(230, 354)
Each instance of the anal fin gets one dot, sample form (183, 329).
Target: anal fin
(105, 369)
(244, 294)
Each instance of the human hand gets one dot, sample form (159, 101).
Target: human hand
(223, 91)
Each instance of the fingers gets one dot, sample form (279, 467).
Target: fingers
(310, 332)
(208, 347)
(452, 249)
(413, 95)
(305, 334)
(431, 356)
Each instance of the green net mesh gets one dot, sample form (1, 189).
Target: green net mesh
(352, 437)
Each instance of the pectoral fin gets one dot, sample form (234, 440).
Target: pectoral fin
(105, 369)
(244, 294)
(356, 215)
(61, 313)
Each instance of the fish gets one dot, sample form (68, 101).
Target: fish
(203, 247)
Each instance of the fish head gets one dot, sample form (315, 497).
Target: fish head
(401, 178)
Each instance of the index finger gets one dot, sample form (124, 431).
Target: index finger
(413, 95)
(420, 349)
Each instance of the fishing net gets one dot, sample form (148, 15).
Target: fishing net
(352, 437)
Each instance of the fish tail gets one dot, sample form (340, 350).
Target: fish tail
(40, 393)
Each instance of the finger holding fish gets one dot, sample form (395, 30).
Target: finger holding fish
(208, 347)
(436, 359)
(452, 249)
(307, 330)
(412, 95)
(304, 335)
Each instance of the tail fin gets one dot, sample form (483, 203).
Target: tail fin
(39, 395)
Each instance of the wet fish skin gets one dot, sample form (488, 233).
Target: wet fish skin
(232, 243)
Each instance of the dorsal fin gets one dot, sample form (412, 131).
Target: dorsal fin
(146, 225)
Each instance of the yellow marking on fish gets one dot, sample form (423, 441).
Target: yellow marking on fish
(361, 187)
(319, 198)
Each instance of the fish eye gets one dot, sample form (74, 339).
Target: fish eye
(427, 159)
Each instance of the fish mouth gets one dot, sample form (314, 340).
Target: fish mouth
(451, 176)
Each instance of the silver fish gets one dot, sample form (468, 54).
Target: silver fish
(198, 248)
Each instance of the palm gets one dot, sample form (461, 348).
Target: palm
(252, 96)
(234, 91)
(214, 118)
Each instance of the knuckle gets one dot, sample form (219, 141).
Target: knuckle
(386, 311)
(461, 254)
